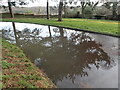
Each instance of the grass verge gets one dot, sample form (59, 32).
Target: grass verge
(18, 71)
(102, 26)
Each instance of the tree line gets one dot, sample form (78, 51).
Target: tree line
(62, 4)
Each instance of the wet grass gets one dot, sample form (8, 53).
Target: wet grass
(102, 26)
(18, 71)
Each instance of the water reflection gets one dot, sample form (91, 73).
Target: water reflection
(61, 53)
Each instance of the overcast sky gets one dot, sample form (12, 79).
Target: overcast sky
(39, 2)
(31, 4)
(42, 3)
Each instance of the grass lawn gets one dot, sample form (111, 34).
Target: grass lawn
(101, 26)
(18, 71)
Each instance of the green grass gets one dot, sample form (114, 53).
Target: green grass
(31, 77)
(102, 26)
(6, 65)
(18, 71)
(25, 84)
(0, 85)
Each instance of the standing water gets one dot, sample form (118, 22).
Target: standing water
(71, 59)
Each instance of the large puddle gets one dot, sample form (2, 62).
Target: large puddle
(71, 59)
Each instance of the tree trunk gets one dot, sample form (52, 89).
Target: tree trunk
(10, 9)
(83, 6)
(48, 16)
(49, 31)
(61, 32)
(82, 11)
(15, 33)
(62, 36)
(114, 10)
(60, 11)
(65, 14)
(50, 35)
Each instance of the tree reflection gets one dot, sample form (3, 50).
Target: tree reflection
(64, 56)
(11, 34)
(15, 33)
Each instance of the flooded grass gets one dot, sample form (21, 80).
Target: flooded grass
(70, 58)
(19, 72)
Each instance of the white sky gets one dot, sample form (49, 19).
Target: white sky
(39, 2)
(42, 3)
(35, 3)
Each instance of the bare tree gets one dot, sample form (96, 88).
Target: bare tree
(113, 7)
(60, 10)
(93, 4)
(14, 3)
(83, 6)
(10, 8)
